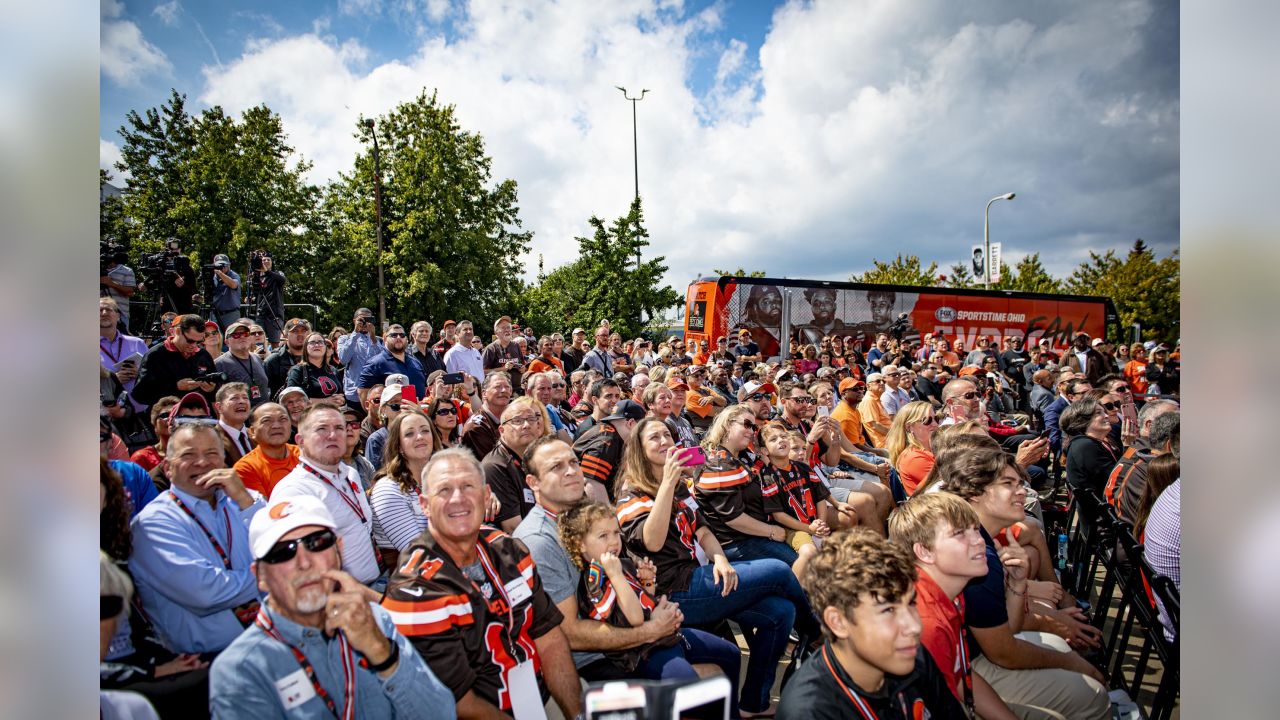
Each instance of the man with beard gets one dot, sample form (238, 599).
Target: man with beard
(273, 456)
(318, 624)
(762, 316)
(171, 367)
(290, 353)
(504, 354)
(242, 366)
(472, 602)
(322, 440)
(191, 556)
(394, 359)
(232, 406)
(822, 303)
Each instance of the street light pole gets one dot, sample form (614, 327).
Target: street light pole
(377, 208)
(986, 238)
(635, 146)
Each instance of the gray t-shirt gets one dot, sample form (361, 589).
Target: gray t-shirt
(540, 533)
(123, 275)
(250, 372)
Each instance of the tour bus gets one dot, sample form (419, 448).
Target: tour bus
(807, 310)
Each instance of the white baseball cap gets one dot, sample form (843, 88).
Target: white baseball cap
(279, 518)
(392, 392)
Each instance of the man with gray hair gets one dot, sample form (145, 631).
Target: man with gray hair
(1158, 433)
(471, 601)
(420, 333)
(191, 557)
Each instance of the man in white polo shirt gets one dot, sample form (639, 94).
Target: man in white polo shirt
(321, 473)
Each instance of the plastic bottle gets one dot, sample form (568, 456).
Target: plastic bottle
(1062, 549)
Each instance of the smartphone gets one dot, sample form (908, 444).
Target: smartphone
(616, 701)
(824, 411)
(695, 457)
(708, 697)
(409, 393)
(456, 378)
(134, 359)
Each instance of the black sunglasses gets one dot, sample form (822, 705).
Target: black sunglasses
(750, 425)
(1110, 406)
(446, 411)
(392, 406)
(969, 395)
(758, 396)
(391, 335)
(109, 606)
(318, 541)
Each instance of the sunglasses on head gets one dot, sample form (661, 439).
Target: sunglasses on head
(318, 541)
(447, 411)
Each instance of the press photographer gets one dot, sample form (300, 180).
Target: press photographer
(224, 300)
(169, 275)
(178, 365)
(268, 290)
(116, 280)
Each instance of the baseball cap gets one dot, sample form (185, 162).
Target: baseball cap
(396, 379)
(190, 400)
(289, 391)
(221, 260)
(626, 410)
(825, 371)
(211, 325)
(447, 323)
(1148, 345)
(294, 323)
(676, 383)
(849, 383)
(238, 325)
(283, 517)
(577, 331)
(504, 319)
(970, 370)
(433, 377)
(890, 370)
(754, 387)
(391, 392)
(1096, 342)
(621, 376)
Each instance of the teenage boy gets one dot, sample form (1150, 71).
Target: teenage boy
(862, 587)
(1023, 655)
(941, 531)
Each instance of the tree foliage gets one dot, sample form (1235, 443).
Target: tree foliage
(1144, 288)
(902, 270)
(604, 283)
(740, 273)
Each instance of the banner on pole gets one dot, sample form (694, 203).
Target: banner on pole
(994, 258)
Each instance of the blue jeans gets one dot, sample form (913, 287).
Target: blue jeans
(696, 646)
(767, 602)
(758, 548)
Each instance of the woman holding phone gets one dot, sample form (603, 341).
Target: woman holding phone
(317, 378)
(661, 521)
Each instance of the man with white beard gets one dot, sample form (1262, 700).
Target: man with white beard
(303, 656)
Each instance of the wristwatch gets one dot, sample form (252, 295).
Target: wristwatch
(391, 658)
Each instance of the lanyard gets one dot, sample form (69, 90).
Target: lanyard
(966, 666)
(107, 348)
(497, 584)
(348, 668)
(855, 698)
(351, 503)
(224, 554)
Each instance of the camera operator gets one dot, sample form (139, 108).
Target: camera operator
(178, 365)
(354, 350)
(268, 286)
(225, 303)
(117, 281)
(173, 278)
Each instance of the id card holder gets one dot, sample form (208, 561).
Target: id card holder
(526, 700)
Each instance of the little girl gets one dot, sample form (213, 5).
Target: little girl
(614, 590)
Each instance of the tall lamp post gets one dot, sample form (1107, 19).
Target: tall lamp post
(635, 146)
(986, 238)
(377, 208)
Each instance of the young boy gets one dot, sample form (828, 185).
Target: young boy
(941, 531)
(862, 587)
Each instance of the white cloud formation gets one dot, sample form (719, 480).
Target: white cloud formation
(861, 129)
(168, 12)
(126, 56)
(108, 156)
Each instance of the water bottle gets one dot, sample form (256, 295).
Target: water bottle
(1062, 549)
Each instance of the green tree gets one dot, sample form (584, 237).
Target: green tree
(1028, 275)
(1145, 289)
(603, 283)
(740, 273)
(113, 224)
(902, 270)
(960, 277)
(451, 242)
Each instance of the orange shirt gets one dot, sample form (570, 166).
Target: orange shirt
(873, 412)
(261, 473)
(691, 403)
(941, 622)
(1135, 371)
(850, 422)
(913, 467)
(701, 358)
(541, 364)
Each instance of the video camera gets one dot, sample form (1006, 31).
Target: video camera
(109, 254)
(166, 264)
(900, 326)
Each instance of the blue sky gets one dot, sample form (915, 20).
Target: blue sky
(805, 138)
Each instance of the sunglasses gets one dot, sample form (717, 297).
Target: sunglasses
(1110, 406)
(758, 396)
(318, 541)
(353, 424)
(446, 411)
(237, 335)
(258, 333)
(931, 420)
(393, 406)
(970, 395)
(190, 339)
(750, 425)
(803, 400)
(397, 334)
(109, 606)
(557, 385)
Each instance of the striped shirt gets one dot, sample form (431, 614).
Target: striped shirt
(398, 517)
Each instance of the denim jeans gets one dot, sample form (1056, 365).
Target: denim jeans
(767, 602)
(696, 646)
(758, 548)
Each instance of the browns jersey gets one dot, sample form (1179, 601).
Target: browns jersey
(801, 490)
(677, 559)
(726, 487)
(473, 632)
(600, 451)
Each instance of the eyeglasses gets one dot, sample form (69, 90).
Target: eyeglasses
(522, 421)
(557, 386)
(191, 339)
(399, 334)
(1110, 406)
(393, 406)
(758, 396)
(258, 333)
(318, 541)
(109, 606)
(237, 335)
(750, 425)
(446, 411)
(803, 400)
(930, 420)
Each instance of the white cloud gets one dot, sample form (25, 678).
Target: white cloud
(168, 12)
(861, 129)
(359, 7)
(126, 56)
(108, 156)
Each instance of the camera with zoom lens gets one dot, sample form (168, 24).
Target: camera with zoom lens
(109, 254)
(255, 260)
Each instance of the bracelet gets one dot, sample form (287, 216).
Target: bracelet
(1015, 592)
(391, 658)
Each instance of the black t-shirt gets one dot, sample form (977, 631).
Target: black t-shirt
(1008, 361)
(676, 560)
(572, 359)
(727, 487)
(180, 299)
(316, 382)
(271, 295)
(821, 690)
(496, 356)
(984, 599)
(749, 348)
(504, 475)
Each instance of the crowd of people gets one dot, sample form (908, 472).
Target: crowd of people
(369, 523)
